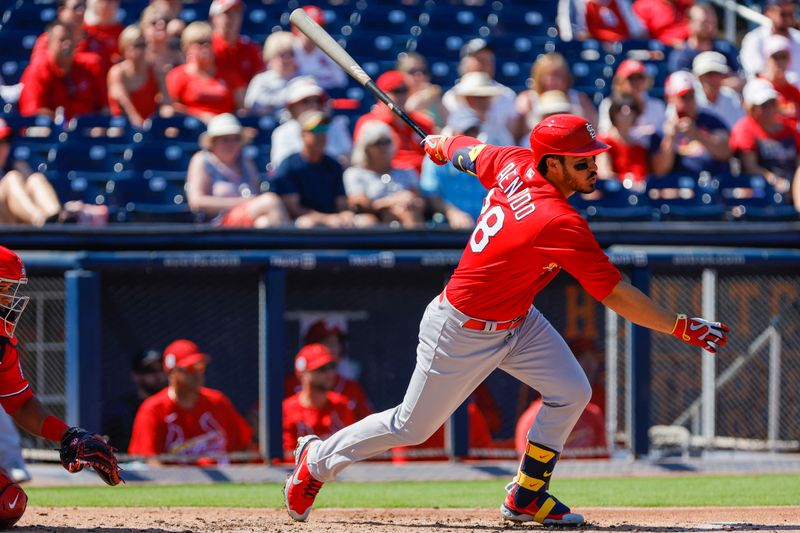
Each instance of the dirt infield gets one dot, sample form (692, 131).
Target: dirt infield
(191, 519)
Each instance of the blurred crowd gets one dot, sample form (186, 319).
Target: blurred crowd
(726, 110)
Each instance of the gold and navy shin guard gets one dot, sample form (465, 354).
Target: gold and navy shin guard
(534, 473)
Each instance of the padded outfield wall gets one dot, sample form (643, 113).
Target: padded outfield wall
(101, 298)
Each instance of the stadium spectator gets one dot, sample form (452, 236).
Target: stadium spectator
(631, 79)
(476, 91)
(423, 96)
(311, 183)
(764, 142)
(375, 187)
(197, 87)
(234, 54)
(163, 50)
(223, 184)
(777, 50)
(267, 92)
(693, 140)
(185, 418)
(11, 460)
(587, 439)
(315, 408)
(409, 152)
(433, 449)
(665, 20)
(71, 13)
(604, 20)
(304, 94)
(550, 72)
(781, 14)
(478, 56)
(449, 192)
(103, 28)
(133, 88)
(62, 79)
(551, 103)
(333, 338)
(711, 71)
(314, 62)
(703, 32)
(627, 160)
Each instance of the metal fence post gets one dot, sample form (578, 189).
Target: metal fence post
(639, 373)
(774, 406)
(612, 378)
(709, 370)
(272, 347)
(83, 363)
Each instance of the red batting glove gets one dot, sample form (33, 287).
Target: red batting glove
(434, 147)
(708, 335)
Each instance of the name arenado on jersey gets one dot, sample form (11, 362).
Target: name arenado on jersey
(510, 183)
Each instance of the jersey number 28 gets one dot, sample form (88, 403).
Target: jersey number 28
(491, 221)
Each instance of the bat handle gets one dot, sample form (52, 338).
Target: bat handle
(383, 97)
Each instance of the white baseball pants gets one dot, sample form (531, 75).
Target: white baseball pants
(451, 362)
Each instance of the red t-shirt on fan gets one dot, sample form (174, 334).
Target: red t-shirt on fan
(627, 160)
(526, 233)
(201, 95)
(605, 21)
(243, 58)
(211, 427)
(299, 420)
(14, 388)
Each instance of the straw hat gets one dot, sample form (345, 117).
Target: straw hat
(221, 125)
(477, 84)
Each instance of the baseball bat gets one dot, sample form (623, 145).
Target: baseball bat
(325, 42)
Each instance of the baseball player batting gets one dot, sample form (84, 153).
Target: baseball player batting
(484, 319)
(79, 448)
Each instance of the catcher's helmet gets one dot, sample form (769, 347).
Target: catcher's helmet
(12, 277)
(13, 501)
(564, 134)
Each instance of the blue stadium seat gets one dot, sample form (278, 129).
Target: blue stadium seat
(83, 156)
(513, 74)
(752, 198)
(453, 20)
(11, 69)
(115, 132)
(262, 19)
(150, 200)
(29, 16)
(376, 45)
(79, 187)
(259, 153)
(36, 159)
(397, 20)
(195, 11)
(181, 128)
(682, 196)
(168, 156)
(533, 20)
(612, 201)
(16, 43)
(261, 126)
(39, 134)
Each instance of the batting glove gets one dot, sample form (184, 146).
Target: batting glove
(434, 147)
(708, 335)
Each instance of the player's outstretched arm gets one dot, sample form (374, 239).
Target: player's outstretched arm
(441, 148)
(629, 302)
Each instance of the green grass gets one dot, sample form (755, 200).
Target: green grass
(730, 491)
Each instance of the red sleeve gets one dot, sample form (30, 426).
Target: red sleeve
(742, 137)
(238, 431)
(14, 388)
(32, 98)
(145, 437)
(176, 83)
(568, 240)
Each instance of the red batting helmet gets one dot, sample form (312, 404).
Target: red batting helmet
(564, 134)
(12, 277)
(13, 501)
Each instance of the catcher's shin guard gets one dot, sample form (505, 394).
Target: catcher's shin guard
(528, 500)
(300, 489)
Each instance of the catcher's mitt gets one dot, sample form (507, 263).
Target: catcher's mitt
(80, 448)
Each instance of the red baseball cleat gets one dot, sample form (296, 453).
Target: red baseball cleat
(301, 488)
(544, 509)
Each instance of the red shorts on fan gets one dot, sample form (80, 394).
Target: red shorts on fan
(238, 217)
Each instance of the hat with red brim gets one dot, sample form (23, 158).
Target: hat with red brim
(564, 134)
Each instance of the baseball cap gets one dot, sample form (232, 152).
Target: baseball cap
(313, 357)
(758, 91)
(679, 83)
(321, 329)
(706, 62)
(776, 43)
(183, 353)
(564, 134)
(476, 84)
(474, 46)
(629, 67)
(391, 80)
(316, 14)
(5, 130)
(301, 88)
(218, 7)
(314, 121)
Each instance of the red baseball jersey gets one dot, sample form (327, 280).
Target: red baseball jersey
(299, 420)
(212, 426)
(14, 388)
(526, 233)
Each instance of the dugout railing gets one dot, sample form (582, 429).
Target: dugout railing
(91, 311)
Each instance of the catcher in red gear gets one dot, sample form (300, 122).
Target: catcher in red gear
(78, 448)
